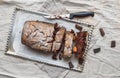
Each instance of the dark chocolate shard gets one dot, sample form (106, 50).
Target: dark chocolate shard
(113, 44)
(97, 50)
(71, 65)
(78, 27)
(102, 32)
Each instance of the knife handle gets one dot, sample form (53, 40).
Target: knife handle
(81, 14)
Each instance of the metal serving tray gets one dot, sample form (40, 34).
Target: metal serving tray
(16, 48)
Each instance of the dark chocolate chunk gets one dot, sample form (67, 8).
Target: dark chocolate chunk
(78, 27)
(113, 44)
(50, 41)
(56, 25)
(71, 65)
(54, 57)
(72, 31)
(97, 50)
(81, 60)
(62, 48)
(102, 32)
(60, 56)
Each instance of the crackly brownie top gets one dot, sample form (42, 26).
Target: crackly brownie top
(38, 35)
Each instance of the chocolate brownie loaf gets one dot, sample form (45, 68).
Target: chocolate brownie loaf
(54, 38)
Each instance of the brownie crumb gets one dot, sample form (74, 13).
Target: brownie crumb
(71, 65)
(78, 27)
(102, 32)
(50, 41)
(113, 44)
(97, 50)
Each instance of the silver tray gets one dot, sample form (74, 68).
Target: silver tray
(16, 48)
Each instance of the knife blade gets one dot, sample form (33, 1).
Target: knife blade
(71, 15)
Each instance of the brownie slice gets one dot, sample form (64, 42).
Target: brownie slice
(67, 53)
(58, 39)
(37, 35)
(80, 44)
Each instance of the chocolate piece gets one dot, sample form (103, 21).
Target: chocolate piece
(68, 44)
(102, 32)
(81, 60)
(97, 50)
(72, 31)
(60, 56)
(78, 27)
(38, 35)
(54, 57)
(113, 44)
(62, 47)
(71, 65)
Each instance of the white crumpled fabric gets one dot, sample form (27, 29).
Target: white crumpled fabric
(105, 64)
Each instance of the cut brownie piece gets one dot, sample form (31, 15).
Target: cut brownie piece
(37, 35)
(58, 39)
(68, 44)
(80, 43)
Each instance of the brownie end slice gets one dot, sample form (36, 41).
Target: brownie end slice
(37, 35)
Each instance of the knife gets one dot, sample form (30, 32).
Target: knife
(71, 15)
